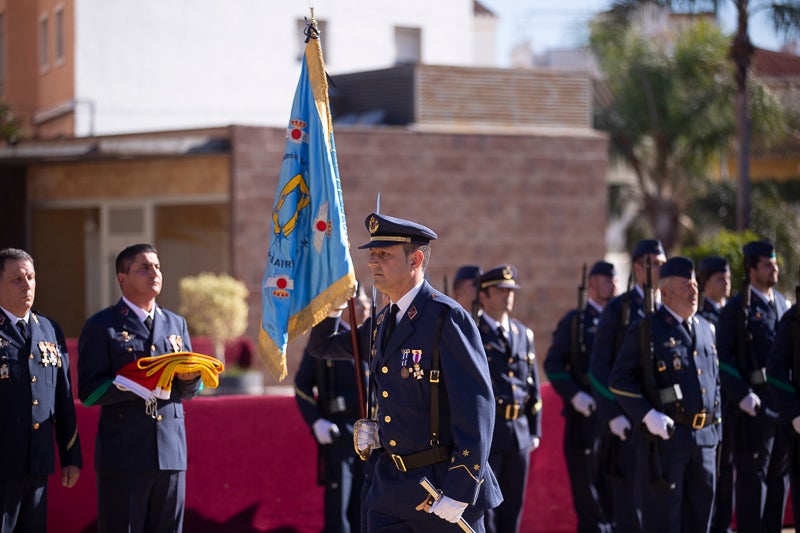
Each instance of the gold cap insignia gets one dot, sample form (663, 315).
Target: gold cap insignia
(373, 224)
(507, 273)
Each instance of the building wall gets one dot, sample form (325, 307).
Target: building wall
(182, 64)
(537, 201)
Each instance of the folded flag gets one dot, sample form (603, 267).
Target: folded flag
(151, 377)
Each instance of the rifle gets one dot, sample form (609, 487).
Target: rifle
(755, 373)
(625, 312)
(651, 393)
(578, 327)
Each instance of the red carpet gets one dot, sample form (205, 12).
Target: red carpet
(252, 470)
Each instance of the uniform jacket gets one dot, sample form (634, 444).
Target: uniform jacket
(36, 398)
(678, 360)
(128, 439)
(780, 367)
(709, 312)
(567, 380)
(762, 324)
(515, 382)
(467, 409)
(604, 349)
(319, 382)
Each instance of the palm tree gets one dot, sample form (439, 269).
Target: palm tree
(784, 17)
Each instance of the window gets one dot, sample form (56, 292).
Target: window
(59, 37)
(322, 26)
(44, 44)
(408, 45)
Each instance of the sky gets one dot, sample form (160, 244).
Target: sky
(562, 24)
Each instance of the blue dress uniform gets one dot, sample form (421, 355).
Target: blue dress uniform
(723, 499)
(617, 456)
(515, 382)
(569, 374)
(37, 414)
(781, 372)
(413, 402)
(466, 413)
(760, 445)
(682, 366)
(336, 399)
(136, 454)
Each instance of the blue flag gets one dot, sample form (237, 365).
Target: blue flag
(308, 270)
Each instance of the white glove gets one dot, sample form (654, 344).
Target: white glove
(796, 424)
(750, 404)
(322, 430)
(535, 443)
(448, 509)
(658, 423)
(620, 426)
(366, 435)
(583, 403)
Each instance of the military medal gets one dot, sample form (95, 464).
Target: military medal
(404, 372)
(417, 355)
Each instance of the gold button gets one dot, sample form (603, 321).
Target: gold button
(702, 391)
(35, 402)
(385, 394)
(695, 353)
(392, 442)
(385, 369)
(130, 348)
(511, 373)
(30, 356)
(33, 379)
(513, 387)
(510, 360)
(387, 419)
(36, 425)
(699, 371)
(500, 401)
(152, 347)
(159, 418)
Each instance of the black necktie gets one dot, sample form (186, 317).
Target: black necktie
(23, 329)
(501, 333)
(390, 325)
(149, 323)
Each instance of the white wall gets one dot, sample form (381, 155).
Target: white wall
(169, 64)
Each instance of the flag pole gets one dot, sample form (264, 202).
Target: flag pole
(362, 405)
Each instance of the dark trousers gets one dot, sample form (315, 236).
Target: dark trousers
(684, 502)
(511, 470)
(141, 502)
(427, 523)
(581, 444)
(723, 497)
(761, 459)
(619, 466)
(343, 475)
(23, 502)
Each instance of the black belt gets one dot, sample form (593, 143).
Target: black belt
(509, 411)
(404, 463)
(697, 420)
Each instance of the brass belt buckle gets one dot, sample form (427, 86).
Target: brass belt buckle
(433, 375)
(699, 421)
(398, 463)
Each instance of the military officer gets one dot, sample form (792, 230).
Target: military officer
(140, 455)
(616, 448)
(36, 397)
(435, 411)
(714, 283)
(566, 366)
(745, 336)
(673, 389)
(515, 380)
(326, 392)
(464, 290)
(783, 371)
